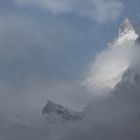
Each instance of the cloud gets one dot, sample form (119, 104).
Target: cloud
(20, 39)
(32, 63)
(100, 11)
(21, 57)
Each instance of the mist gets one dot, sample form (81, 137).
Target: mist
(30, 75)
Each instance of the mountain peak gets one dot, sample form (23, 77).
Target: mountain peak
(126, 27)
(55, 111)
(127, 34)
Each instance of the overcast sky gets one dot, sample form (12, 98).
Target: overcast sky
(47, 45)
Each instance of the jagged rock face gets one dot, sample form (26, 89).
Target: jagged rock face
(125, 27)
(57, 111)
(127, 35)
(129, 77)
(128, 89)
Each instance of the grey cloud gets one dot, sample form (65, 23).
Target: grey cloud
(98, 10)
(31, 55)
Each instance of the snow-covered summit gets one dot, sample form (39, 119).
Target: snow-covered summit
(127, 35)
(126, 27)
